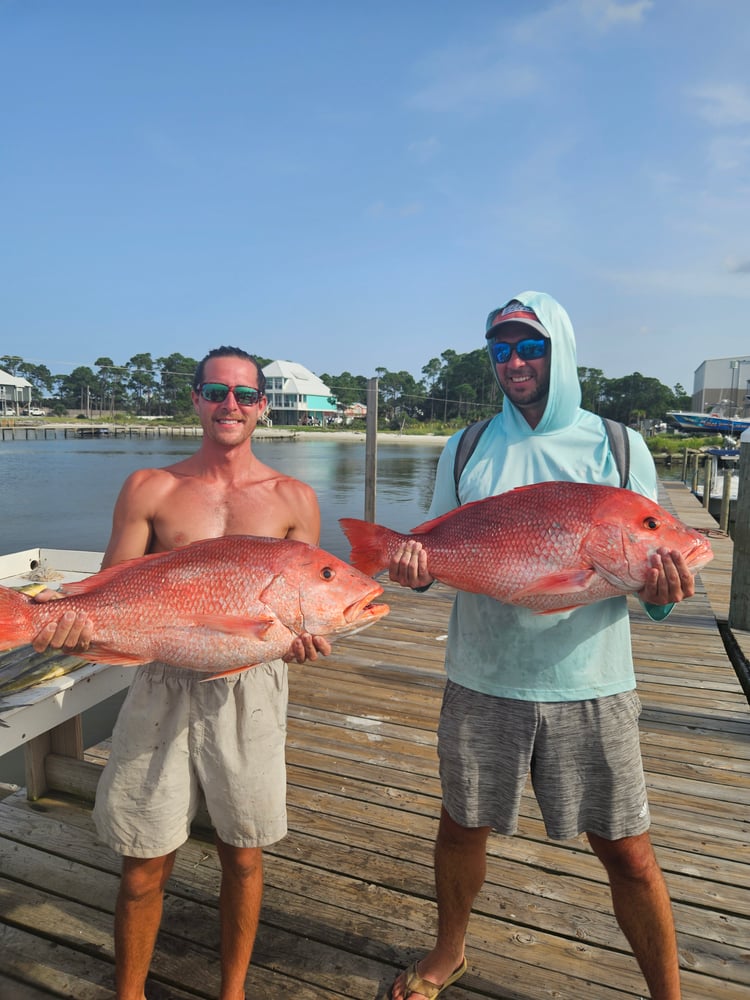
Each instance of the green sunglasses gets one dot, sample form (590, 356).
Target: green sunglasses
(217, 392)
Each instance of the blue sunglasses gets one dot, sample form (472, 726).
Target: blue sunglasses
(530, 349)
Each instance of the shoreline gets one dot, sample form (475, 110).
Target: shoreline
(261, 433)
(391, 437)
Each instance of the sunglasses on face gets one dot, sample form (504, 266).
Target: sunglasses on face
(217, 392)
(530, 349)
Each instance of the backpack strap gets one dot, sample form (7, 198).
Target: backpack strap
(619, 443)
(617, 434)
(465, 449)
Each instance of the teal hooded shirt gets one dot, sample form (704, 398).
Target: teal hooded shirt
(508, 651)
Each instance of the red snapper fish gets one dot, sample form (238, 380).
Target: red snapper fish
(219, 605)
(548, 547)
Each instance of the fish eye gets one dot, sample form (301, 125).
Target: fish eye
(651, 523)
(327, 573)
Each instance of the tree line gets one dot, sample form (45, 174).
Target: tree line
(454, 388)
(461, 388)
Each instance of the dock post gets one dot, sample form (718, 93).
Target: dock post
(739, 595)
(708, 478)
(726, 499)
(371, 449)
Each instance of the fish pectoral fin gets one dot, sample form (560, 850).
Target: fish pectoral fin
(113, 657)
(227, 673)
(569, 582)
(253, 628)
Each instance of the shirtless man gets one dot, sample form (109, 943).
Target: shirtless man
(175, 735)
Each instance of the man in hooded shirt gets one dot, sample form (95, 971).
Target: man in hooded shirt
(553, 694)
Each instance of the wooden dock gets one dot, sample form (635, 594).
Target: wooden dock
(349, 895)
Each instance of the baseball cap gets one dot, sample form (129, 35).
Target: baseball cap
(513, 312)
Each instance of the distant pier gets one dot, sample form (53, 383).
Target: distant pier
(14, 431)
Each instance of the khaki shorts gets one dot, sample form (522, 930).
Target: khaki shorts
(177, 737)
(584, 758)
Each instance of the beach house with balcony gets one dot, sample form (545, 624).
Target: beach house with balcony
(297, 396)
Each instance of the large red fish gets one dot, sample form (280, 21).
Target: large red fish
(219, 605)
(548, 547)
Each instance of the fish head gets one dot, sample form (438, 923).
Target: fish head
(318, 593)
(628, 528)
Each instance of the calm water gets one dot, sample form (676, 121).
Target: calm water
(60, 493)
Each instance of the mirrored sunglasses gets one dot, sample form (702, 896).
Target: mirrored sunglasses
(530, 349)
(217, 392)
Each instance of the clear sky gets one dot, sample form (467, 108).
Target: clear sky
(353, 185)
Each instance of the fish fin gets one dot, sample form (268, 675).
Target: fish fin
(77, 587)
(254, 628)
(426, 526)
(112, 657)
(372, 544)
(567, 582)
(228, 673)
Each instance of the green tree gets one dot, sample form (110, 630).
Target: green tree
(636, 394)
(142, 381)
(592, 388)
(76, 389)
(433, 373)
(400, 395)
(176, 373)
(40, 376)
(112, 395)
(346, 387)
(10, 362)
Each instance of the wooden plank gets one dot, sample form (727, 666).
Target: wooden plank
(349, 892)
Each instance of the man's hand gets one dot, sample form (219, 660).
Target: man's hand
(307, 647)
(408, 567)
(72, 632)
(669, 580)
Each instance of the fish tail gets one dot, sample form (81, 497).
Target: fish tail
(372, 544)
(16, 620)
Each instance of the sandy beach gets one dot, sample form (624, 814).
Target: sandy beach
(384, 437)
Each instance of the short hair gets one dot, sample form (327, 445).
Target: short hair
(229, 352)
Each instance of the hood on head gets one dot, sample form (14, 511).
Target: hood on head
(548, 317)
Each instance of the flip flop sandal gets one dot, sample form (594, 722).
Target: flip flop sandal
(415, 984)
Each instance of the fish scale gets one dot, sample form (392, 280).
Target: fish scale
(548, 547)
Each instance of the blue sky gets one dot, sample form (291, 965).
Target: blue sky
(355, 185)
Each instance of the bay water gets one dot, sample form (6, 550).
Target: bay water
(59, 493)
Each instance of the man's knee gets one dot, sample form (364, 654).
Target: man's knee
(241, 863)
(629, 858)
(142, 878)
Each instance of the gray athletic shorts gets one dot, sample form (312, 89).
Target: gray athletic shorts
(584, 758)
(177, 737)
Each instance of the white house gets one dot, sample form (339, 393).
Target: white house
(296, 396)
(15, 394)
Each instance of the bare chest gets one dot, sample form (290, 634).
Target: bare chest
(205, 511)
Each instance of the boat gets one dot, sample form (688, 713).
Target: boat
(52, 567)
(714, 422)
(45, 692)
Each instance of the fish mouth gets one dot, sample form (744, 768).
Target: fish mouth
(699, 555)
(364, 610)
